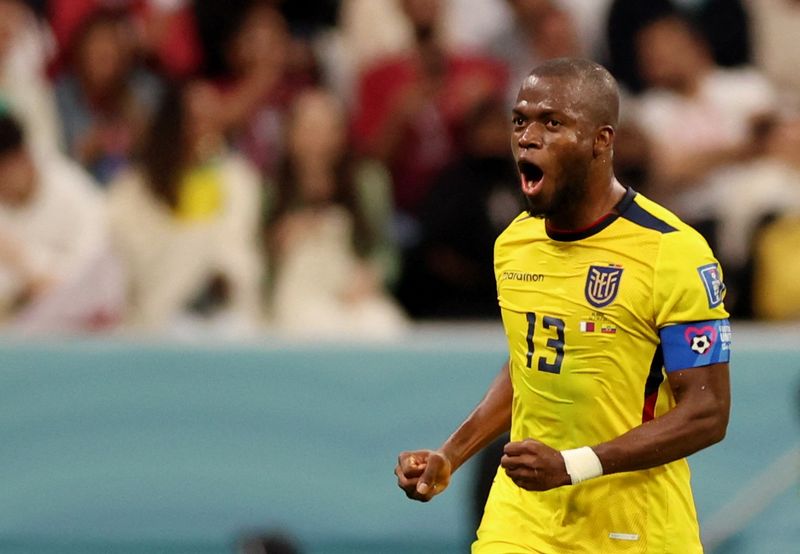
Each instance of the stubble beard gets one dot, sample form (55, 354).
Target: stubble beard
(567, 197)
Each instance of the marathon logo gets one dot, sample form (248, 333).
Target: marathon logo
(521, 276)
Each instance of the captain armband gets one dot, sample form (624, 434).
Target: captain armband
(696, 344)
(582, 464)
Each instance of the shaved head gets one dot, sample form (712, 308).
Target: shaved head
(590, 83)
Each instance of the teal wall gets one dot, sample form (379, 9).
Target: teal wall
(134, 447)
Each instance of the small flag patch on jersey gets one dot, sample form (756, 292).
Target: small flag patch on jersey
(715, 288)
(595, 327)
(608, 329)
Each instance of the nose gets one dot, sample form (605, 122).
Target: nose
(531, 137)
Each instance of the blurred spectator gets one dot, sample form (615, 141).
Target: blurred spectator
(697, 116)
(165, 34)
(540, 31)
(186, 221)
(168, 36)
(367, 30)
(56, 270)
(776, 287)
(326, 240)
(474, 199)
(410, 105)
(471, 25)
(266, 70)
(718, 150)
(775, 31)
(374, 29)
(590, 18)
(726, 26)
(216, 24)
(24, 53)
(106, 98)
(370, 30)
(748, 195)
(66, 17)
(625, 19)
(765, 186)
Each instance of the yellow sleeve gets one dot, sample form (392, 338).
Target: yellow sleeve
(688, 282)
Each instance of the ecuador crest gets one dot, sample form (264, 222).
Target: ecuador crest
(602, 284)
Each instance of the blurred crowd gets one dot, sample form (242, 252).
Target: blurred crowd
(341, 167)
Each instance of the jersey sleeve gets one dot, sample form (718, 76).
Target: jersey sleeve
(688, 296)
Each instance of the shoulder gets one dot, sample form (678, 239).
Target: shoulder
(687, 276)
(676, 237)
(520, 223)
(651, 215)
(523, 228)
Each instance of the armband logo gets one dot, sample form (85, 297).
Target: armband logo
(701, 339)
(715, 288)
(602, 284)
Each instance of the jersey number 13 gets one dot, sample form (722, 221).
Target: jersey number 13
(556, 344)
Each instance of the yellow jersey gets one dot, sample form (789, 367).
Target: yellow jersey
(594, 320)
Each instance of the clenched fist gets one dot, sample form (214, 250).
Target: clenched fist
(534, 466)
(423, 474)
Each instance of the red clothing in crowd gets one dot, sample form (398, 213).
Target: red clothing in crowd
(429, 129)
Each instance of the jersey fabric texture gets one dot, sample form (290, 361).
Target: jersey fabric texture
(591, 317)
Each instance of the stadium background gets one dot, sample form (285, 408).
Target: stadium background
(193, 437)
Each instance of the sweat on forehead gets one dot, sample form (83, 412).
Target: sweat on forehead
(587, 81)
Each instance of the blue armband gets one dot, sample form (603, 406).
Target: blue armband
(696, 344)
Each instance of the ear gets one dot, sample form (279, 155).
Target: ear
(603, 141)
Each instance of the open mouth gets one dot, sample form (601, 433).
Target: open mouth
(531, 176)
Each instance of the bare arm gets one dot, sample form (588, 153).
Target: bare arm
(490, 418)
(422, 474)
(698, 420)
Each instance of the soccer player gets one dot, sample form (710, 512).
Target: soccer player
(618, 347)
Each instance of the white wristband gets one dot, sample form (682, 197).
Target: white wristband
(582, 464)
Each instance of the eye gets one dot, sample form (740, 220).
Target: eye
(552, 124)
(518, 120)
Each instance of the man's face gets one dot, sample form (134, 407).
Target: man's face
(552, 142)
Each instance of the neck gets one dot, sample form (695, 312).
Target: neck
(598, 202)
